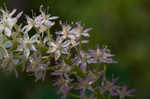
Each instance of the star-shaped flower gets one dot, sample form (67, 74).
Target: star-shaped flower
(7, 21)
(110, 87)
(4, 44)
(27, 44)
(124, 92)
(42, 22)
(101, 56)
(66, 32)
(59, 47)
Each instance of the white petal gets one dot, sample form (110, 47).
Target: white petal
(59, 39)
(34, 38)
(8, 44)
(6, 53)
(7, 32)
(49, 23)
(19, 15)
(45, 40)
(26, 28)
(20, 40)
(53, 18)
(26, 36)
(65, 51)
(1, 28)
(1, 38)
(42, 28)
(12, 13)
(85, 34)
(60, 32)
(51, 50)
(72, 37)
(15, 61)
(66, 43)
(57, 55)
(52, 44)
(92, 61)
(19, 48)
(27, 52)
(33, 48)
(87, 30)
(84, 41)
(11, 22)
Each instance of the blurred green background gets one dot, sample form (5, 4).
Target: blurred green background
(123, 25)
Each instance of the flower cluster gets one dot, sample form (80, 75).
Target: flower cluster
(37, 50)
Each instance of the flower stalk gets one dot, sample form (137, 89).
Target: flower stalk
(58, 54)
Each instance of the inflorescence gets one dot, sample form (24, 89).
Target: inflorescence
(33, 48)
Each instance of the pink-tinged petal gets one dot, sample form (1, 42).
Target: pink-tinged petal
(72, 37)
(20, 40)
(57, 55)
(27, 52)
(66, 43)
(49, 23)
(19, 15)
(92, 61)
(84, 41)
(59, 39)
(87, 30)
(85, 34)
(33, 48)
(65, 51)
(45, 40)
(52, 44)
(51, 50)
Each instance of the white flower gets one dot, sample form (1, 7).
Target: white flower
(41, 22)
(3, 47)
(59, 47)
(37, 66)
(9, 63)
(74, 43)
(28, 27)
(101, 56)
(81, 60)
(66, 32)
(27, 44)
(8, 21)
(62, 69)
(79, 31)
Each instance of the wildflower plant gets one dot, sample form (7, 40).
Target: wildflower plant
(33, 48)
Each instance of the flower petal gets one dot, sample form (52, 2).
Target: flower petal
(7, 32)
(57, 55)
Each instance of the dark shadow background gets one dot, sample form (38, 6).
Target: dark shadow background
(123, 25)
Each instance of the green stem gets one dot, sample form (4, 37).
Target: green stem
(105, 70)
(73, 95)
(49, 36)
(14, 37)
(39, 34)
(109, 97)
